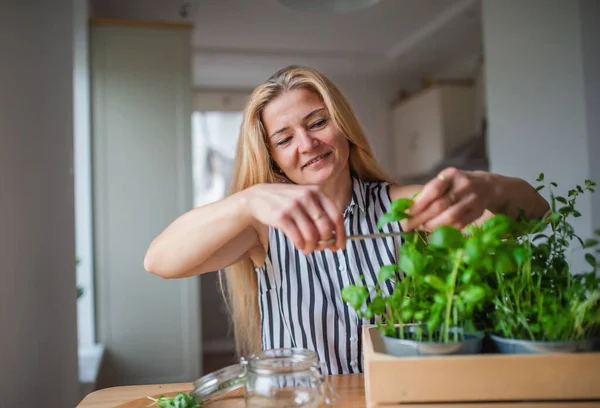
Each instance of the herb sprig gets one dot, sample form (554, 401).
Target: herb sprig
(443, 284)
(180, 400)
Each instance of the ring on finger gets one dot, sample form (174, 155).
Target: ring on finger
(318, 216)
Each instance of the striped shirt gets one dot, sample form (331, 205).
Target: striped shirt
(300, 297)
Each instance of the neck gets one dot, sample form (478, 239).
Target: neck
(339, 189)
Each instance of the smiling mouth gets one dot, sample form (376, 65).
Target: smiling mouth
(316, 159)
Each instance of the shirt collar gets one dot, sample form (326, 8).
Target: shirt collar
(358, 195)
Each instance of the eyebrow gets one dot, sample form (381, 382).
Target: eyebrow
(283, 129)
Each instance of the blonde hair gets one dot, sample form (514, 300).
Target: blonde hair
(253, 165)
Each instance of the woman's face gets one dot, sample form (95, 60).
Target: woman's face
(303, 140)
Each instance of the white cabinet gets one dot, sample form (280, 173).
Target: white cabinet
(428, 125)
(142, 172)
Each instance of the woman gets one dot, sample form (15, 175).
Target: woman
(304, 173)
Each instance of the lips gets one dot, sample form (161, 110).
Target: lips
(315, 159)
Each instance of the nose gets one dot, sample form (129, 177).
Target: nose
(307, 143)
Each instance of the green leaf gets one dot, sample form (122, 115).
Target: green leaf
(473, 294)
(377, 306)
(504, 263)
(446, 237)
(566, 210)
(555, 217)
(420, 315)
(439, 299)
(561, 199)
(407, 265)
(405, 302)
(588, 243)
(180, 400)
(540, 177)
(355, 296)
(411, 261)
(467, 276)
(498, 225)
(400, 205)
(472, 250)
(433, 321)
(386, 272)
(591, 260)
(521, 255)
(538, 188)
(385, 219)
(435, 282)
(399, 216)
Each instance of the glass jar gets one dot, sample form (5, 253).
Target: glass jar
(272, 378)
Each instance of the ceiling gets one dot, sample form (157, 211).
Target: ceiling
(238, 43)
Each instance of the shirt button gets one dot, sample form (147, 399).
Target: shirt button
(342, 267)
(352, 339)
(353, 363)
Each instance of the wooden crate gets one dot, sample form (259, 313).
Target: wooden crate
(495, 380)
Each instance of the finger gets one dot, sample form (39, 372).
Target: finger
(326, 229)
(335, 216)
(434, 209)
(458, 216)
(432, 191)
(307, 228)
(291, 230)
(321, 218)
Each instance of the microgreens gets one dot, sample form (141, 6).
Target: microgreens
(545, 300)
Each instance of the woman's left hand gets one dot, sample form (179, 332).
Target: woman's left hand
(456, 198)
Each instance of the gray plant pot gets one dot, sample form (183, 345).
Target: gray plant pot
(412, 348)
(517, 346)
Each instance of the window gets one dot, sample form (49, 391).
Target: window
(214, 140)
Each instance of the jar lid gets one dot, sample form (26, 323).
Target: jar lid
(219, 382)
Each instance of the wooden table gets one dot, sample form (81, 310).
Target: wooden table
(349, 387)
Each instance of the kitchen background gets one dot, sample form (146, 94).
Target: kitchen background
(117, 116)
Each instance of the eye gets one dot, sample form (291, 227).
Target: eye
(318, 124)
(284, 141)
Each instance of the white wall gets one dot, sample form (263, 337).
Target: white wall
(536, 93)
(82, 175)
(590, 26)
(38, 335)
(371, 100)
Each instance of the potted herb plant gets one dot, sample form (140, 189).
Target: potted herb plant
(542, 306)
(434, 306)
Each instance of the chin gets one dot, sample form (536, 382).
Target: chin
(317, 177)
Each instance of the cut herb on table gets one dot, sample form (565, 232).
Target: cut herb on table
(180, 400)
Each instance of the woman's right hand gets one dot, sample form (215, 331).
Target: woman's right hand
(303, 213)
